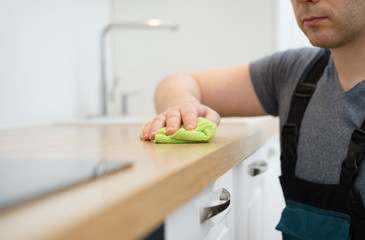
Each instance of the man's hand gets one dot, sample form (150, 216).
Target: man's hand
(182, 98)
(173, 117)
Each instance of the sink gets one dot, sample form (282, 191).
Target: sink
(246, 120)
(104, 120)
(141, 120)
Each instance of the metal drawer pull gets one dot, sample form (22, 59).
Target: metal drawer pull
(217, 206)
(257, 168)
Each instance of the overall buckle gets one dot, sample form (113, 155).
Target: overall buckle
(290, 130)
(358, 137)
(304, 90)
(349, 169)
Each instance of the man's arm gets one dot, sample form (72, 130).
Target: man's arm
(184, 97)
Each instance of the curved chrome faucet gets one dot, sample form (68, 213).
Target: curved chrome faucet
(149, 24)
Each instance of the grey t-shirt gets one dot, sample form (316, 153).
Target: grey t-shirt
(329, 120)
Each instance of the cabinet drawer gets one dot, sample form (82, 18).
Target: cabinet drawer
(258, 193)
(186, 223)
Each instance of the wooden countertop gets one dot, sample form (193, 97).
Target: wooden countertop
(130, 202)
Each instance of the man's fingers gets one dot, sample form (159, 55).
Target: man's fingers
(213, 116)
(146, 131)
(189, 115)
(158, 123)
(172, 118)
(173, 122)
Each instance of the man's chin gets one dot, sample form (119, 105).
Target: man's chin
(320, 44)
(324, 42)
(327, 39)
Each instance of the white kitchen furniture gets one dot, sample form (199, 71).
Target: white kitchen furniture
(186, 222)
(163, 182)
(260, 200)
(255, 202)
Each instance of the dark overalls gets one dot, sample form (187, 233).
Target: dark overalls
(313, 210)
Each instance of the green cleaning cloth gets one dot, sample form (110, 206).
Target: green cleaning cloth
(204, 132)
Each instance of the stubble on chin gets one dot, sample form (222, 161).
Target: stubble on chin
(318, 36)
(335, 33)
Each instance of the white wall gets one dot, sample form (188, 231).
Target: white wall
(49, 67)
(289, 34)
(49, 61)
(213, 33)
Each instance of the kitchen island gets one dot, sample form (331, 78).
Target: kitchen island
(126, 204)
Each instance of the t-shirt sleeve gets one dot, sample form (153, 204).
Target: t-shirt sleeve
(276, 73)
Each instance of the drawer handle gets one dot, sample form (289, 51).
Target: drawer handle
(257, 168)
(217, 206)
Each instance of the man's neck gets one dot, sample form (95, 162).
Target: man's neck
(350, 64)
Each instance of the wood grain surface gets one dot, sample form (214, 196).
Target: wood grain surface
(130, 203)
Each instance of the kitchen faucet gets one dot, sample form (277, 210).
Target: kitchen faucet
(149, 24)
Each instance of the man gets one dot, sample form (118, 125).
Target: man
(266, 86)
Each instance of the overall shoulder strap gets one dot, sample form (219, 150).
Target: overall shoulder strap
(355, 155)
(300, 99)
(306, 86)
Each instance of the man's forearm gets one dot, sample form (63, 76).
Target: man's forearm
(176, 89)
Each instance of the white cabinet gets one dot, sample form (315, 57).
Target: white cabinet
(255, 202)
(185, 222)
(258, 195)
(274, 201)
